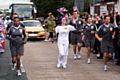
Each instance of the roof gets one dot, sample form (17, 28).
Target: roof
(22, 3)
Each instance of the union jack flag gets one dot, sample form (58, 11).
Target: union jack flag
(62, 10)
(2, 26)
(75, 9)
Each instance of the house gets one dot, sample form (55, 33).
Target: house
(101, 6)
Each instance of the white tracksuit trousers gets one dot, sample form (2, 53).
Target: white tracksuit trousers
(63, 53)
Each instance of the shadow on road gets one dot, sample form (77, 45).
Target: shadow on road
(34, 40)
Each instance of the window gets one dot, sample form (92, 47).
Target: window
(32, 24)
(23, 10)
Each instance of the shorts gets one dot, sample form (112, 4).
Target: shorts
(108, 49)
(51, 34)
(17, 50)
(89, 43)
(76, 38)
(107, 46)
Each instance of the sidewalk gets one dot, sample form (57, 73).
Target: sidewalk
(5, 67)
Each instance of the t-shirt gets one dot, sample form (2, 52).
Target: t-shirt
(11, 24)
(49, 25)
(64, 33)
(17, 33)
(78, 26)
(106, 33)
(87, 30)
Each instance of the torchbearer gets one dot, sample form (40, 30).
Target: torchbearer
(63, 42)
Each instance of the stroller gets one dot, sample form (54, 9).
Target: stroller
(2, 37)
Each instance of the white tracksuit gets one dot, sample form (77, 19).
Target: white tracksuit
(63, 42)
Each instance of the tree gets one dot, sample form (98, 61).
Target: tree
(46, 6)
(87, 5)
(0, 12)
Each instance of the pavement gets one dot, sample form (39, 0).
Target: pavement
(5, 67)
(40, 60)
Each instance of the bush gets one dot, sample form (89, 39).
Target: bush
(0, 12)
(82, 13)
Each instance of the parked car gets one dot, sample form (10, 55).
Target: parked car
(34, 29)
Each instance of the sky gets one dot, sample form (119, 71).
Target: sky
(5, 3)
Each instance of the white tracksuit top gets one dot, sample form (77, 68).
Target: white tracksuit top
(64, 33)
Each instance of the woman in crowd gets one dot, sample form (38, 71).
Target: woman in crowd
(50, 27)
(89, 32)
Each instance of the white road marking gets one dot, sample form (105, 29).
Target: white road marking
(22, 67)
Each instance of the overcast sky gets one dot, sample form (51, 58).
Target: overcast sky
(5, 3)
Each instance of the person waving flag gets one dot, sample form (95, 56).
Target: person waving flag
(62, 10)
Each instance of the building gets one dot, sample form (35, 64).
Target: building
(79, 4)
(101, 6)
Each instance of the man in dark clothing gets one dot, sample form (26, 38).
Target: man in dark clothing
(97, 45)
(76, 38)
(12, 22)
(117, 39)
(107, 35)
(17, 37)
(10, 25)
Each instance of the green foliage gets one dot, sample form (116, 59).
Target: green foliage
(46, 6)
(0, 12)
(82, 13)
(87, 5)
(8, 14)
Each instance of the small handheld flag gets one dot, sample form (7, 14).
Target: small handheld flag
(62, 10)
(75, 9)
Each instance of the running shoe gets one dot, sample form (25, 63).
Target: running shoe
(105, 68)
(75, 56)
(88, 62)
(58, 65)
(19, 73)
(13, 66)
(64, 66)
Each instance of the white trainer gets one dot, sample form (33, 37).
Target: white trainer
(19, 73)
(88, 61)
(64, 66)
(105, 68)
(58, 65)
(79, 56)
(13, 66)
(46, 40)
(98, 55)
(75, 56)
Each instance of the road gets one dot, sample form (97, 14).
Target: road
(40, 60)
(5, 67)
